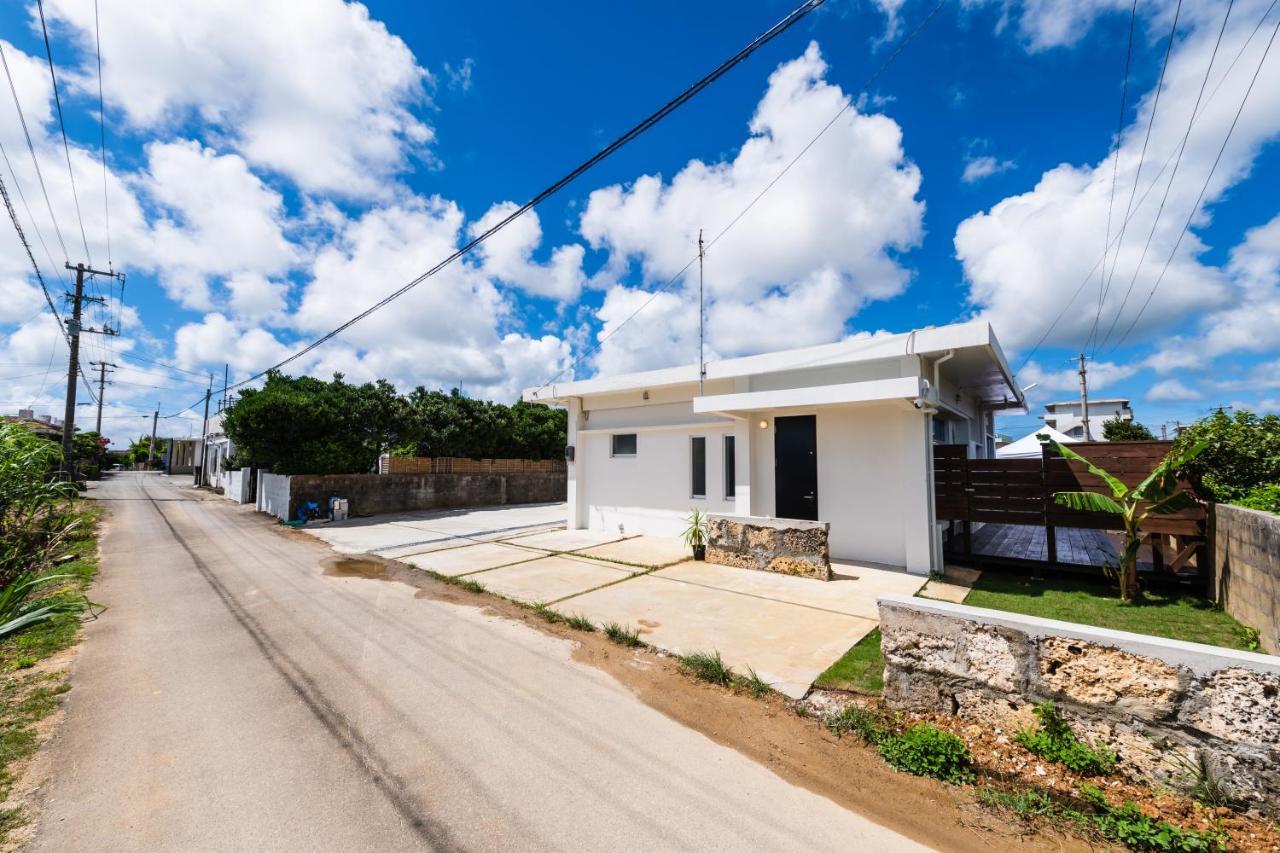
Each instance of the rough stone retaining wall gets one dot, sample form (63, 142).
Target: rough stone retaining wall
(1246, 569)
(373, 494)
(1162, 705)
(785, 546)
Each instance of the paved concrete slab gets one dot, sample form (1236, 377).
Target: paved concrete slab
(568, 540)
(472, 558)
(449, 541)
(395, 534)
(853, 593)
(788, 645)
(549, 579)
(649, 551)
(954, 586)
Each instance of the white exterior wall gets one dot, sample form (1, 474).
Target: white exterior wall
(273, 494)
(236, 486)
(650, 492)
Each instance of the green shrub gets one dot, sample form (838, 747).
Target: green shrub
(925, 750)
(708, 667)
(1026, 804)
(578, 622)
(1265, 497)
(870, 724)
(1128, 825)
(1054, 741)
(621, 635)
(753, 684)
(1243, 453)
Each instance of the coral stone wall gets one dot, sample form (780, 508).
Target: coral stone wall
(1164, 706)
(1246, 569)
(788, 547)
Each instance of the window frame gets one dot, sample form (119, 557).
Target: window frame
(729, 447)
(613, 452)
(693, 495)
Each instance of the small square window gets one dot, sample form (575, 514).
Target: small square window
(622, 444)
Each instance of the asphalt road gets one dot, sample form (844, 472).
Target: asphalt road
(233, 697)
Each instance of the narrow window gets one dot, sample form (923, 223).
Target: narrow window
(730, 469)
(623, 444)
(699, 464)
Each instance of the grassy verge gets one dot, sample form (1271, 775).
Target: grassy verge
(1174, 615)
(861, 669)
(27, 697)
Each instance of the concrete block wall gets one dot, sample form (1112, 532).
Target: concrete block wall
(273, 494)
(1246, 569)
(373, 494)
(788, 547)
(1162, 705)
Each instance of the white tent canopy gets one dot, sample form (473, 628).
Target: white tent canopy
(1028, 447)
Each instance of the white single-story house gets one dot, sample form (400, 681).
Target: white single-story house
(841, 433)
(1030, 446)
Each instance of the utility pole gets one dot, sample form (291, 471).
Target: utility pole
(102, 382)
(1084, 399)
(74, 328)
(226, 377)
(151, 449)
(204, 433)
(702, 358)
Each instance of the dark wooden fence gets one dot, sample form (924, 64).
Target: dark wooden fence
(1020, 491)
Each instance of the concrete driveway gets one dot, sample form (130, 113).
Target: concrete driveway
(788, 630)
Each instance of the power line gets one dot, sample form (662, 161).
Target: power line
(688, 94)
(1151, 120)
(102, 127)
(134, 357)
(35, 161)
(57, 100)
(600, 342)
(1195, 207)
(1182, 147)
(1141, 201)
(1115, 164)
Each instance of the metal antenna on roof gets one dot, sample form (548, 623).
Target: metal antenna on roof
(702, 359)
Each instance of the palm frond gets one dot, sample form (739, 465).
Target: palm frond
(1118, 489)
(1088, 502)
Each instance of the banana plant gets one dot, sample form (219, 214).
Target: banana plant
(1158, 494)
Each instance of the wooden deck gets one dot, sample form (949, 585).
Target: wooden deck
(1025, 542)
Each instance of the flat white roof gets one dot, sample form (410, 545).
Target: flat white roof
(930, 341)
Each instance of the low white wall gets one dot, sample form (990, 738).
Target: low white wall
(273, 494)
(235, 486)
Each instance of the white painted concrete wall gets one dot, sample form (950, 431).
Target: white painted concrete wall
(273, 494)
(235, 486)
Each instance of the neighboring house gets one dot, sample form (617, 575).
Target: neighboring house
(180, 455)
(1066, 417)
(841, 433)
(218, 448)
(1030, 446)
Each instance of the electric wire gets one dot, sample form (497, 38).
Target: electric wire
(1182, 147)
(1203, 189)
(1115, 164)
(57, 100)
(902, 44)
(653, 119)
(35, 161)
(102, 127)
(1141, 201)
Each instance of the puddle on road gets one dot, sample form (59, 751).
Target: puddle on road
(355, 567)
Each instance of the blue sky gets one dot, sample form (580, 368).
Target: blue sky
(274, 169)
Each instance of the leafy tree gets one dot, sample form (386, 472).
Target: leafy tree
(453, 425)
(302, 425)
(140, 449)
(1243, 453)
(89, 452)
(1117, 429)
(1157, 494)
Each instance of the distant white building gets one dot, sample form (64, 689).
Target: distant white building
(1067, 418)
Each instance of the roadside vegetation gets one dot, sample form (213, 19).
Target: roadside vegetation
(861, 669)
(48, 557)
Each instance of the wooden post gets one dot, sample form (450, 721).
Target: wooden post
(1050, 532)
(1156, 541)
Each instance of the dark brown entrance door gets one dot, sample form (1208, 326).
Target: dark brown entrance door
(795, 467)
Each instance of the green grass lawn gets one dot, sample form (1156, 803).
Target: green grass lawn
(1174, 615)
(861, 669)
(27, 697)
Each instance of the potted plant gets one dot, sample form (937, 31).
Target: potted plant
(695, 535)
